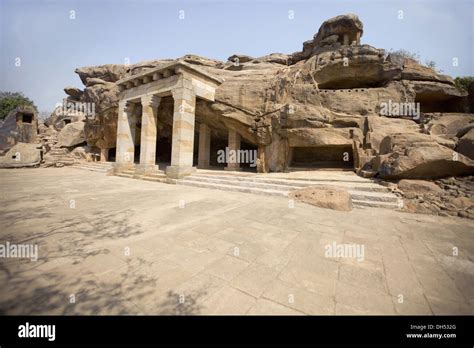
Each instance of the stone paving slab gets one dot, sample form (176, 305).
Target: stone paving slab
(109, 245)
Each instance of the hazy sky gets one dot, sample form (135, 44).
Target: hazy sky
(51, 44)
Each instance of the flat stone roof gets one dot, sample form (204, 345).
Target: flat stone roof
(162, 70)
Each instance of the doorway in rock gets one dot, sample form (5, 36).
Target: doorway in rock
(218, 142)
(249, 154)
(164, 133)
(322, 157)
(112, 154)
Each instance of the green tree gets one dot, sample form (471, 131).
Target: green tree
(463, 82)
(11, 100)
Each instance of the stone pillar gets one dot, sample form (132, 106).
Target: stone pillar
(234, 144)
(182, 145)
(261, 165)
(204, 146)
(346, 39)
(104, 155)
(358, 38)
(125, 146)
(150, 105)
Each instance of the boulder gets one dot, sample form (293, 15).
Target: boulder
(104, 96)
(412, 156)
(348, 24)
(72, 134)
(324, 197)
(21, 155)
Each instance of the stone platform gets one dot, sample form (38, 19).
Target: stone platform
(131, 247)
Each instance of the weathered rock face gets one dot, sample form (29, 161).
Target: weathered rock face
(332, 93)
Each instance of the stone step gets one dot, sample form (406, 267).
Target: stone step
(360, 195)
(245, 183)
(373, 196)
(372, 204)
(125, 175)
(155, 179)
(298, 183)
(234, 188)
(99, 170)
(338, 177)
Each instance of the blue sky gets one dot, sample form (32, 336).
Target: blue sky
(51, 45)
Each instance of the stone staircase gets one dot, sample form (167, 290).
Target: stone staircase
(55, 155)
(158, 176)
(100, 167)
(58, 157)
(364, 192)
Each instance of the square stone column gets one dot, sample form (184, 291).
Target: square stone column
(104, 155)
(182, 145)
(125, 146)
(234, 145)
(204, 146)
(150, 105)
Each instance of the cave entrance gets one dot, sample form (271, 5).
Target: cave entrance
(330, 156)
(164, 133)
(112, 154)
(436, 102)
(249, 155)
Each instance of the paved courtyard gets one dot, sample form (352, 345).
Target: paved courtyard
(109, 245)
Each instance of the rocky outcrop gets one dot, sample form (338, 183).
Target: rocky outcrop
(418, 156)
(108, 72)
(73, 92)
(330, 94)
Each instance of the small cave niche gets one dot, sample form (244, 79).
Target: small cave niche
(436, 102)
(328, 156)
(25, 118)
